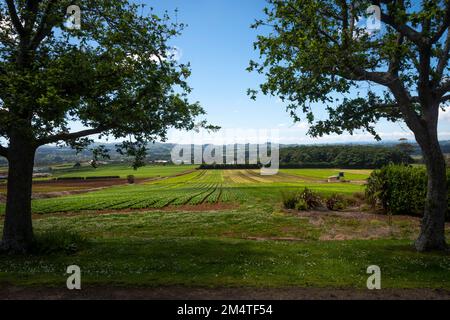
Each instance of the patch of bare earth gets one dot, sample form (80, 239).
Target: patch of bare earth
(185, 293)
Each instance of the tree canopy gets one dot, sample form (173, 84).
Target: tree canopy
(113, 71)
(342, 156)
(318, 52)
(117, 75)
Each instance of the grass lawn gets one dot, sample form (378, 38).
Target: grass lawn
(250, 246)
(228, 262)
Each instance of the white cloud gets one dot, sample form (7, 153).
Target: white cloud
(444, 115)
(296, 134)
(302, 125)
(174, 54)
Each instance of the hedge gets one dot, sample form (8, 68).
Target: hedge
(399, 189)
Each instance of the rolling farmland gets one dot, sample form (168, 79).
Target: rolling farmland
(185, 187)
(123, 171)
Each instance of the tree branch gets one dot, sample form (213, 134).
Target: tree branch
(404, 29)
(66, 136)
(15, 18)
(359, 74)
(30, 15)
(443, 89)
(4, 151)
(444, 99)
(406, 102)
(44, 28)
(394, 65)
(443, 60)
(444, 26)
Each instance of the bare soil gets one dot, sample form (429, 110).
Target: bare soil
(185, 293)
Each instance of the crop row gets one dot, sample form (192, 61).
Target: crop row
(193, 189)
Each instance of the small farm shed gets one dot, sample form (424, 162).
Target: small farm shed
(337, 178)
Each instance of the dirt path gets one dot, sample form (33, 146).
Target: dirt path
(183, 293)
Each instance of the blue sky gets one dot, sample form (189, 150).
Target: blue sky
(218, 42)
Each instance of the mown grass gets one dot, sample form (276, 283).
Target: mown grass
(218, 248)
(222, 263)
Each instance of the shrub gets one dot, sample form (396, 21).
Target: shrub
(311, 198)
(304, 200)
(337, 202)
(58, 241)
(130, 179)
(398, 189)
(301, 205)
(359, 197)
(289, 199)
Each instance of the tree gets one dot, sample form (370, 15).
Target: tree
(406, 148)
(317, 51)
(77, 165)
(116, 75)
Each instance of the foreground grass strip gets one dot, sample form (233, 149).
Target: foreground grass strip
(235, 263)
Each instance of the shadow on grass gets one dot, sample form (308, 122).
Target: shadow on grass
(223, 263)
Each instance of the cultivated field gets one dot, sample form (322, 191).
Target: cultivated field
(161, 187)
(177, 226)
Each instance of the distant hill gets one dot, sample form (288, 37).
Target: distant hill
(53, 155)
(445, 145)
(47, 155)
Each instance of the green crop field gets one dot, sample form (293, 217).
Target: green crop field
(325, 173)
(192, 188)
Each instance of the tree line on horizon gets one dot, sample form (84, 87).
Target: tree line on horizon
(357, 157)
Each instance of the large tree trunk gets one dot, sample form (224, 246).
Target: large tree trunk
(432, 235)
(18, 228)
